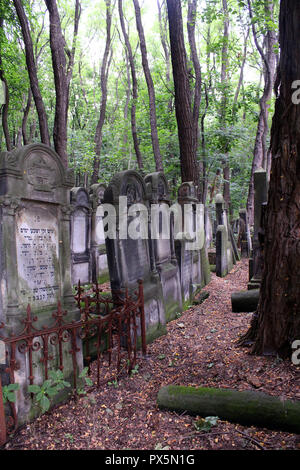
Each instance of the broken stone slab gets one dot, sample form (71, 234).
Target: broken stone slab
(249, 408)
(245, 301)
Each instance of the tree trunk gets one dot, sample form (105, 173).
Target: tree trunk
(224, 102)
(32, 72)
(277, 321)
(183, 107)
(150, 85)
(25, 117)
(103, 79)
(134, 89)
(260, 154)
(62, 75)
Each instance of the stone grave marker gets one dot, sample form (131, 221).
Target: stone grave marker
(162, 238)
(35, 256)
(129, 248)
(190, 249)
(225, 251)
(100, 271)
(260, 198)
(80, 236)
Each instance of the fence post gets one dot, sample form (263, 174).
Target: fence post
(2, 413)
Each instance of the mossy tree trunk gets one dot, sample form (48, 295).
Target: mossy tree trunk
(277, 321)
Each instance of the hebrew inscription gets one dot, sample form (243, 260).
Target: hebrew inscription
(37, 256)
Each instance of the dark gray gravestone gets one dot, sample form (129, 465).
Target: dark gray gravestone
(162, 223)
(260, 198)
(100, 271)
(129, 253)
(80, 236)
(35, 251)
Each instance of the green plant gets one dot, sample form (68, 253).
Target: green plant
(50, 387)
(114, 383)
(8, 392)
(206, 424)
(87, 381)
(135, 370)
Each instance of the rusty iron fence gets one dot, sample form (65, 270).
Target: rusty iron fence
(107, 323)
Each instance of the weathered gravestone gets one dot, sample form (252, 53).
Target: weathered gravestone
(80, 236)
(260, 198)
(226, 249)
(190, 244)
(128, 246)
(35, 251)
(162, 239)
(100, 271)
(244, 238)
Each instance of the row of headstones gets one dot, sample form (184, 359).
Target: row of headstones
(172, 273)
(40, 257)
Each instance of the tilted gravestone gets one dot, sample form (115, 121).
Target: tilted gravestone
(80, 236)
(162, 239)
(129, 248)
(34, 250)
(100, 271)
(260, 198)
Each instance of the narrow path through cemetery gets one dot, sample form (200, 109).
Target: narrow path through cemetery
(199, 350)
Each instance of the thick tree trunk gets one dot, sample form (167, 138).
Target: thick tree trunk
(277, 321)
(134, 89)
(103, 80)
(183, 106)
(150, 85)
(32, 72)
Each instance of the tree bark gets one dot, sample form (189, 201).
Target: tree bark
(25, 117)
(260, 154)
(134, 89)
(150, 86)
(277, 321)
(32, 72)
(62, 75)
(103, 79)
(183, 106)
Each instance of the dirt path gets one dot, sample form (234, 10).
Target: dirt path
(198, 350)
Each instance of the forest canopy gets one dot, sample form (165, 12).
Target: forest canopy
(95, 79)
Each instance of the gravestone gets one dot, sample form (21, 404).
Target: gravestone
(80, 226)
(244, 238)
(190, 247)
(260, 198)
(100, 271)
(226, 251)
(34, 250)
(162, 239)
(129, 251)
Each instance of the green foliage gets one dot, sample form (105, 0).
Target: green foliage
(8, 392)
(44, 393)
(206, 424)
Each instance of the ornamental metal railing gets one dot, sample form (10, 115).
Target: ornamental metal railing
(107, 323)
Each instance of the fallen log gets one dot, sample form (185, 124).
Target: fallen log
(245, 407)
(245, 301)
